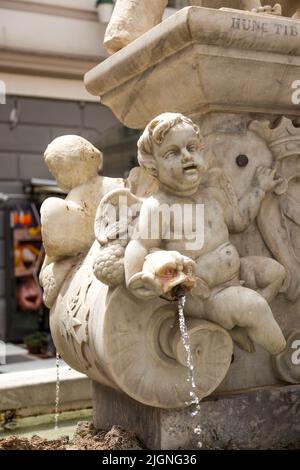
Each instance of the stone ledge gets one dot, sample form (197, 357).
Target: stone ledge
(33, 392)
(192, 25)
(195, 62)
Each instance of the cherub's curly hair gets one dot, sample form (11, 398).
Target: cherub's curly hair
(156, 132)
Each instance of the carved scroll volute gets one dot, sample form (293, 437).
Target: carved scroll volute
(142, 352)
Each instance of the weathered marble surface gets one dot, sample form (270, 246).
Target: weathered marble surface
(244, 420)
(68, 225)
(132, 18)
(288, 6)
(194, 62)
(85, 315)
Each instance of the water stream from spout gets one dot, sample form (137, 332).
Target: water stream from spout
(195, 400)
(57, 390)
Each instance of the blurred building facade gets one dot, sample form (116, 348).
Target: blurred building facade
(46, 46)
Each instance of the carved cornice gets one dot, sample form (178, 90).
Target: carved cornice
(44, 64)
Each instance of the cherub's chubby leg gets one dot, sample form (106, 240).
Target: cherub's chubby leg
(241, 339)
(240, 306)
(265, 275)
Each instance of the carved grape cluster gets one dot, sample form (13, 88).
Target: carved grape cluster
(50, 288)
(109, 266)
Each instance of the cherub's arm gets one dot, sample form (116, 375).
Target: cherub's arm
(240, 213)
(148, 235)
(264, 181)
(135, 254)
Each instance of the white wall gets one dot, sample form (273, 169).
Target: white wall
(78, 4)
(46, 46)
(46, 87)
(36, 32)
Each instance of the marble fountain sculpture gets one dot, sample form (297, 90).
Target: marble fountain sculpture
(214, 92)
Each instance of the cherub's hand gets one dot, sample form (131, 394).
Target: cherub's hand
(265, 179)
(269, 10)
(201, 289)
(144, 285)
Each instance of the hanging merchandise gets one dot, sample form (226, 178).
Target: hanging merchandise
(28, 255)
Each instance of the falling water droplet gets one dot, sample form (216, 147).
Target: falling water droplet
(57, 392)
(195, 401)
(198, 430)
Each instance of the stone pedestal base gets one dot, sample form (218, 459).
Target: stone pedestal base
(254, 419)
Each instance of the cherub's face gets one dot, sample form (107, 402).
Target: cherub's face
(180, 160)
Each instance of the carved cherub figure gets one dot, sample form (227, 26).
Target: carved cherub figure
(236, 159)
(68, 224)
(171, 150)
(74, 163)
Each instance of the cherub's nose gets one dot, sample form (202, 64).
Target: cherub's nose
(186, 156)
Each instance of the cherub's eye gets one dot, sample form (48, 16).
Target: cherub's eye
(168, 155)
(192, 147)
(242, 160)
(171, 153)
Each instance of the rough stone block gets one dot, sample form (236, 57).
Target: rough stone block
(261, 418)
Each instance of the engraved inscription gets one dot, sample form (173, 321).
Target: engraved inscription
(255, 26)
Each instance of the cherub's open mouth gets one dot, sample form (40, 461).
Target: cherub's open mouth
(190, 168)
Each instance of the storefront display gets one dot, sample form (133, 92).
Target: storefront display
(24, 253)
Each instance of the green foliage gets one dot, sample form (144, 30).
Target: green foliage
(36, 342)
(99, 2)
